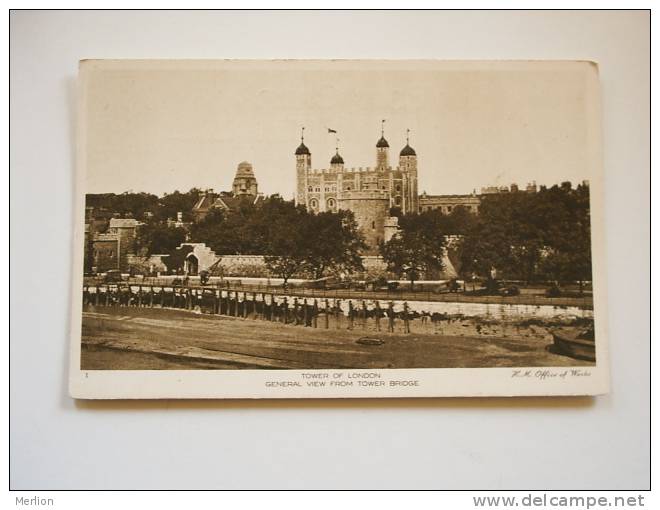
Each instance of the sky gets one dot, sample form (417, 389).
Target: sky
(160, 126)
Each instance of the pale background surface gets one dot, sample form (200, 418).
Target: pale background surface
(433, 443)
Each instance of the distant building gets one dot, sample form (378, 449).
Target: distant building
(489, 190)
(448, 203)
(109, 241)
(245, 190)
(178, 223)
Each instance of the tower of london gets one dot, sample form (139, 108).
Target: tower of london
(368, 192)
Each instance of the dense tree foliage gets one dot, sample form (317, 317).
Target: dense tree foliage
(419, 247)
(241, 231)
(285, 246)
(127, 204)
(292, 239)
(531, 236)
(145, 206)
(332, 243)
(518, 235)
(170, 204)
(158, 238)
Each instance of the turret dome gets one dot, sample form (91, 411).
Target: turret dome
(382, 143)
(337, 160)
(408, 151)
(302, 150)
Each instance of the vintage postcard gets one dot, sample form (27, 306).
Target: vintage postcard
(338, 229)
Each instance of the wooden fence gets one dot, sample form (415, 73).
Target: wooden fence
(315, 313)
(584, 302)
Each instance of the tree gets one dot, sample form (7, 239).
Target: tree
(176, 258)
(171, 204)
(243, 230)
(418, 248)
(159, 238)
(126, 204)
(292, 239)
(532, 235)
(458, 222)
(333, 243)
(286, 248)
(568, 250)
(143, 205)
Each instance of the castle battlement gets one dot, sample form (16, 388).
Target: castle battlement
(368, 191)
(357, 170)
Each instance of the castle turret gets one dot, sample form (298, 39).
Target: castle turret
(382, 150)
(245, 183)
(408, 164)
(303, 165)
(337, 162)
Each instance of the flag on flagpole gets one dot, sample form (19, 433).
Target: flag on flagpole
(331, 131)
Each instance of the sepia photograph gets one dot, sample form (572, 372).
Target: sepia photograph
(338, 215)
(330, 250)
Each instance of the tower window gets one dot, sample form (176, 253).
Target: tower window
(313, 204)
(331, 203)
(398, 187)
(373, 225)
(310, 189)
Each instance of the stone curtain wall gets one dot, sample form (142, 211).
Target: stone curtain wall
(252, 266)
(244, 265)
(151, 264)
